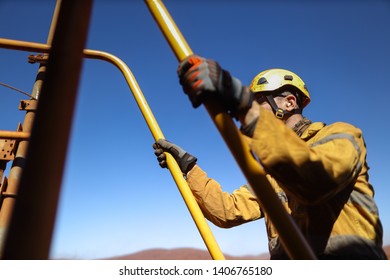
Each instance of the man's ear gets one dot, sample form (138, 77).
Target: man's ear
(290, 102)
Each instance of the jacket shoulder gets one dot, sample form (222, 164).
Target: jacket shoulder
(337, 127)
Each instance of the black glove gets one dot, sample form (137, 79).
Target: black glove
(202, 78)
(183, 159)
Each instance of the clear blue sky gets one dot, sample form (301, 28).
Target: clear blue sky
(115, 198)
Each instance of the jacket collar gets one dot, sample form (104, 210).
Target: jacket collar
(312, 130)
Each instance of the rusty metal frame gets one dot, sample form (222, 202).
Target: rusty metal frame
(31, 223)
(176, 173)
(15, 173)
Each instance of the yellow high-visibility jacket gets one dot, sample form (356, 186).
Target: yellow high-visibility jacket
(320, 177)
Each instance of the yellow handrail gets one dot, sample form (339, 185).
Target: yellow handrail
(290, 235)
(176, 173)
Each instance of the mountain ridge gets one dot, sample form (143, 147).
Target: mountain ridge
(181, 254)
(192, 254)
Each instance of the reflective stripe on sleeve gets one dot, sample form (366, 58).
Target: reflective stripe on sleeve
(347, 136)
(365, 201)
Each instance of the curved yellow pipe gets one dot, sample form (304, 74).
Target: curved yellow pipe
(176, 173)
(290, 235)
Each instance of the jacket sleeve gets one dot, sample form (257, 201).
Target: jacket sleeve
(221, 208)
(310, 171)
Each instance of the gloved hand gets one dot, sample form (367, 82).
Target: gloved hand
(183, 159)
(202, 78)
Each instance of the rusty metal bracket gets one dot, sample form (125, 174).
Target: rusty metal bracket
(7, 149)
(8, 146)
(28, 105)
(39, 58)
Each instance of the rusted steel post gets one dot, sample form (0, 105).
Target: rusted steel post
(20, 154)
(30, 231)
(17, 166)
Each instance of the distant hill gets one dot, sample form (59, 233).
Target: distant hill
(192, 254)
(181, 254)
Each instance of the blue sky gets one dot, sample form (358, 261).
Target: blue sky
(115, 198)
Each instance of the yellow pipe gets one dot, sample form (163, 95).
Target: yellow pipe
(290, 235)
(4, 134)
(176, 173)
(169, 29)
(23, 45)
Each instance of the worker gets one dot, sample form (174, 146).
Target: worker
(319, 172)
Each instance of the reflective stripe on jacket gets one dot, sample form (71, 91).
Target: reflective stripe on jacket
(320, 177)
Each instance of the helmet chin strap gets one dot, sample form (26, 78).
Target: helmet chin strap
(280, 113)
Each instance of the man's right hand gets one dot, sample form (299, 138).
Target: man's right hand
(203, 78)
(185, 160)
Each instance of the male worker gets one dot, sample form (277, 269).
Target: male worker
(318, 171)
